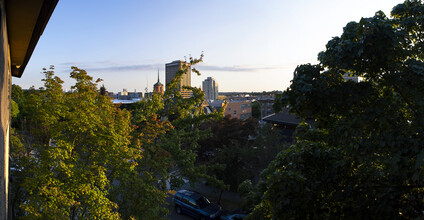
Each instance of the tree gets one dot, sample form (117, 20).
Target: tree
(17, 93)
(229, 151)
(77, 144)
(142, 190)
(166, 128)
(256, 110)
(238, 149)
(364, 158)
(103, 90)
(79, 156)
(17, 151)
(187, 115)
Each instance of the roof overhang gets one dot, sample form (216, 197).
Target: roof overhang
(26, 20)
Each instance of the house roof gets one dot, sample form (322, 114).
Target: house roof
(285, 118)
(26, 21)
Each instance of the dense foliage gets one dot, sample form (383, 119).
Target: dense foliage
(238, 149)
(256, 110)
(76, 155)
(364, 157)
(73, 145)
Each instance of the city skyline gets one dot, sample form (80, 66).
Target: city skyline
(256, 43)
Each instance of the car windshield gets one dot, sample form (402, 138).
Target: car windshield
(202, 202)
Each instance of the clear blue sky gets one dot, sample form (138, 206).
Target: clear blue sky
(249, 45)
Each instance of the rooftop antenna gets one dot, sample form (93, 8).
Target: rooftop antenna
(147, 84)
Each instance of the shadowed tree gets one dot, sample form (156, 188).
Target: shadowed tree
(364, 158)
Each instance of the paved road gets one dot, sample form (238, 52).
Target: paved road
(175, 216)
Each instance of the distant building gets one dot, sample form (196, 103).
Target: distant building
(125, 95)
(236, 109)
(148, 95)
(158, 87)
(171, 69)
(135, 95)
(347, 77)
(210, 88)
(287, 122)
(266, 104)
(222, 97)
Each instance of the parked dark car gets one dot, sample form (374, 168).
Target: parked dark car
(233, 215)
(195, 205)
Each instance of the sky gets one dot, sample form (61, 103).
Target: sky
(248, 45)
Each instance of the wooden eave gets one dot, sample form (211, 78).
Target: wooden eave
(25, 20)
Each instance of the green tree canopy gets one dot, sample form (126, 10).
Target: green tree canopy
(364, 158)
(78, 143)
(76, 155)
(229, 146)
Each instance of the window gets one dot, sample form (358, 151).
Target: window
(185, 200)
(235, 112)
(203, 202)
(192, 202)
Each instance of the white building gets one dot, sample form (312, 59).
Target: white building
(210, 88)
(123, 93)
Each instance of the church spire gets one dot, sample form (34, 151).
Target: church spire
(158, 87)
(158, 76)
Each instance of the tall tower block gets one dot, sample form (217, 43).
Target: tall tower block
(210, 88)
(171, 69)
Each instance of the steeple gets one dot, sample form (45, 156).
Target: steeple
(158, 83)
(158, 87)
(158, 76)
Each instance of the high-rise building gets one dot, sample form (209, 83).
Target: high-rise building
(158, 87)
(210, 88)
(171, 69)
